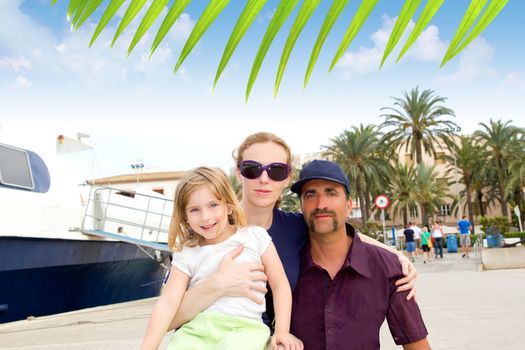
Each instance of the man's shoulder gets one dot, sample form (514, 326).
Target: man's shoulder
(382, 258)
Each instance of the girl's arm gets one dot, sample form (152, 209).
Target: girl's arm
(282, 300)
(165, 308)
(232, 279)
(409, 270)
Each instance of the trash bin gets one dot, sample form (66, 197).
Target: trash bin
(491, 241)
(452, 244)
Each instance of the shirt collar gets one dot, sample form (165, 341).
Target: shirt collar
(356, 258)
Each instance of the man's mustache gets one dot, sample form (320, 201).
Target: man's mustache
(322, 212)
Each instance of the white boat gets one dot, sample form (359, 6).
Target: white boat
(52, 258)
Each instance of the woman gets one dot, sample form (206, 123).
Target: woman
(439, 236)
(260, 159)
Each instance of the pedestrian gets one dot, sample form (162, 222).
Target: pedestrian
(345, 290)
(464, 228)
(439, 236)
(417, 236)
(207, 223)
(410, 241)
(426, 244)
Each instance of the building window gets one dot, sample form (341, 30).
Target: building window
(409, 159)
(413, 213)
(445, 210)
(440, 158)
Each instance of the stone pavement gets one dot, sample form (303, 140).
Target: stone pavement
(462, 308)
(466, 309)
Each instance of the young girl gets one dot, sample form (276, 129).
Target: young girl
(207, 223)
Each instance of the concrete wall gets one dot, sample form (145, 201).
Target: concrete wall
(503, 258)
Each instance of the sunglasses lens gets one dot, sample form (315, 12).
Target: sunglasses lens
(251, 170)
(277, 171)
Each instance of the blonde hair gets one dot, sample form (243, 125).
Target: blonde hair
(180, 235)
(261, 137)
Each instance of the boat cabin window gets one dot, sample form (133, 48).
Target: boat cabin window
(15, 169)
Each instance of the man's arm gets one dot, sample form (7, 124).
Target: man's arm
(418, 345)
(232, 279)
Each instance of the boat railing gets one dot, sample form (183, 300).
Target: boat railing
(128, 216)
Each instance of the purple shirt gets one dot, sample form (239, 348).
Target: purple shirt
(347, 312)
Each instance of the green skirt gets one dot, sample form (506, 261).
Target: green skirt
(217, 331)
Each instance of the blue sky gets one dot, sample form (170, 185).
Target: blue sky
(138, 111)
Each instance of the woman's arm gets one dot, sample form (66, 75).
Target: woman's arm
(165, 308)
(232, 279)
(409, 270)
(282, 300)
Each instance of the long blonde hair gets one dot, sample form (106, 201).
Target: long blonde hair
(180, 235)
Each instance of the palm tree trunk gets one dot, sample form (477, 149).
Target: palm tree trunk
(368, 205)
(503, 199)
(479, 199)
(364, 214)
(469, 206)
(424, 214)
(419, 149)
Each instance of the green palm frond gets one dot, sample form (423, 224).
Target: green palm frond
(477, 17)
(428, 12)
(250, 12)
(406, 14)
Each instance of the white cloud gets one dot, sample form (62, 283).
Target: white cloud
(21, 82)
(15, 64)
(428, 47)
(475, 62)
(513, 80)
(38, 47)
(267, 16)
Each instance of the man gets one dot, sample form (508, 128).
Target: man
(410, 241)
(464, 228)
(345, 289)
(417, 236)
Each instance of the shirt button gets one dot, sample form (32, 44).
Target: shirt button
(329, 309)
(331, 332)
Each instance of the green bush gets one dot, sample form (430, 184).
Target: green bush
(494, 224)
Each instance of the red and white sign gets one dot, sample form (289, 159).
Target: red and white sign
(382, 201)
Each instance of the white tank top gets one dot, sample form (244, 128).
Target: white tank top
(437, 233)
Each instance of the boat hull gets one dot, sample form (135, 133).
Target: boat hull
(48, 276)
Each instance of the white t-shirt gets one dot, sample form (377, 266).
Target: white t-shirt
(201, 261)
(417, 232)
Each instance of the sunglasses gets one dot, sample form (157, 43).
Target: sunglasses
(251, 169)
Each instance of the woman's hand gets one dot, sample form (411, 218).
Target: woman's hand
(409, 281)
(238, 279)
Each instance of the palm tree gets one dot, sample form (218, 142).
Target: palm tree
(415, 122)
(402, 191)
(358, 153)
(475, 20)
(467, 162)
(429, 192)
(500, 142)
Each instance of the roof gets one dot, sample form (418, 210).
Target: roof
(141, 177)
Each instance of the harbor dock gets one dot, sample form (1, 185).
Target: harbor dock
(462, 309)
